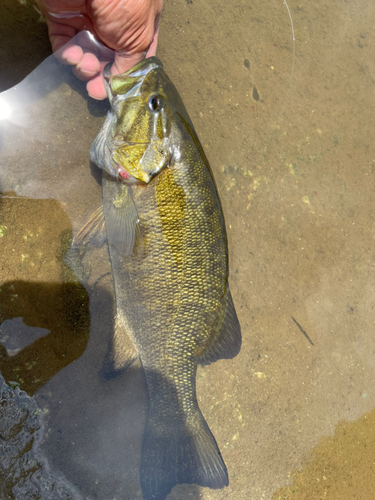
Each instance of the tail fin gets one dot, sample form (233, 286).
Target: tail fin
(179, 454)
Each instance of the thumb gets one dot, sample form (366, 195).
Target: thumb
(124, 61)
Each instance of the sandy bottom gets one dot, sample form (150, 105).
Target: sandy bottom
(289, 132)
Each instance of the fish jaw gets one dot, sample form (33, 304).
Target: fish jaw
(102, 156)
(128, 84)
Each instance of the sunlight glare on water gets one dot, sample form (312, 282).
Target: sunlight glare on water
(5, 110)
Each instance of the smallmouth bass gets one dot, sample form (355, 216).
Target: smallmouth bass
(165, 230)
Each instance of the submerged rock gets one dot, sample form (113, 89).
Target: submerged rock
(24, 472)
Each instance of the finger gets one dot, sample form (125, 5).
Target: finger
(96, 88)
(87, 67)
(59, 34)
(70, 54)
(89, 40)
(152, 49)
(124, 61)
(70, 26)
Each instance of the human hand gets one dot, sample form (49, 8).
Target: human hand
(128, 27)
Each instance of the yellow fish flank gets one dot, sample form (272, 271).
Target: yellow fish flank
(167, 242)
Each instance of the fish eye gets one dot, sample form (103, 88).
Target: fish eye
(155, 103)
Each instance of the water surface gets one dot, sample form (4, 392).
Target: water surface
(288, 130)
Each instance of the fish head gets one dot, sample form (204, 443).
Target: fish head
(138, 138)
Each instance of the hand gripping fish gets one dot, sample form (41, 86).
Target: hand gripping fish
(164, 226)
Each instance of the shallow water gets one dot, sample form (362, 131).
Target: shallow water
(288, 132)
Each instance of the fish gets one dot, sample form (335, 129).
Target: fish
(164, 227)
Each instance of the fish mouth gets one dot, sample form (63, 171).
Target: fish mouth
(129, 172)
(142, 176)
(128, 84)
(122, 173)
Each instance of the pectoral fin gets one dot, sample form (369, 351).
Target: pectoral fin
(228, 342)
(93, 232)
(122, 223)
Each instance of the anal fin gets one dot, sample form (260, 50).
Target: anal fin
(121, 351)
(228, 342)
